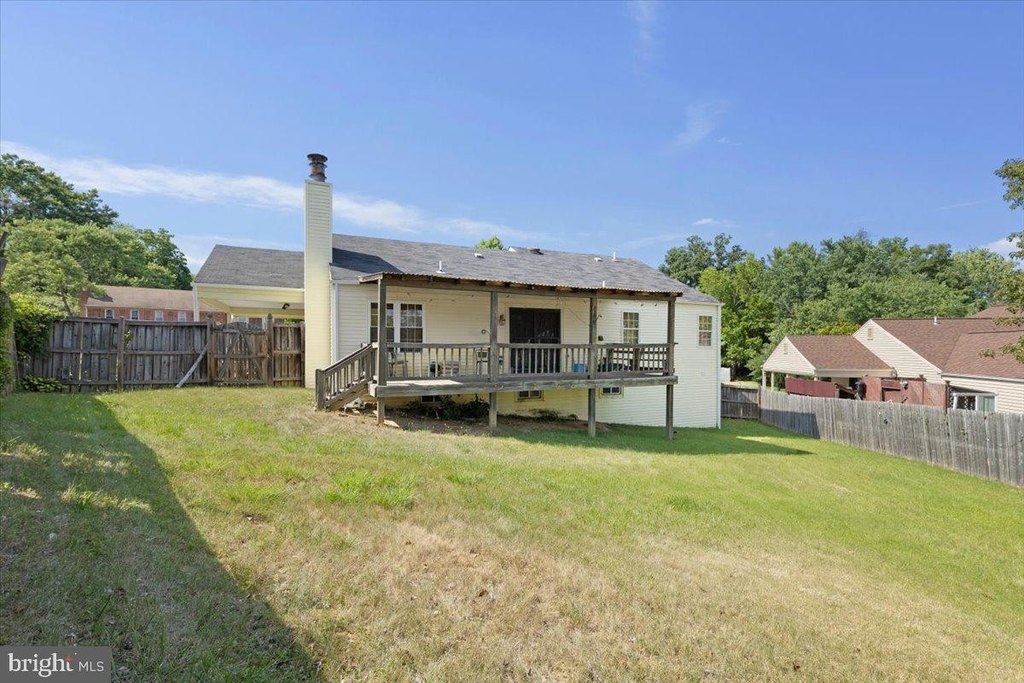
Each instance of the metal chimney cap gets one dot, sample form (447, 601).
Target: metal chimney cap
(317, 166)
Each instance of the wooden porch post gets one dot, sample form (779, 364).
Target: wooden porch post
(592, 370)
(492, 364)
(382, 344)
(670, 368)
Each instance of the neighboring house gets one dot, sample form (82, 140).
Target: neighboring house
(147, 303)
(940, 351)
(839, 360)
(526, 329)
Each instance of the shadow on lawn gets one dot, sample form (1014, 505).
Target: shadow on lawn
(97, 550)
(736, 436)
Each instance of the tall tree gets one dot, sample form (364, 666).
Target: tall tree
(492, 242)
(29, 191)
(747, 310)
(688, 262)
(1012, 173)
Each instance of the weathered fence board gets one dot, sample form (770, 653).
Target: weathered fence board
(95, 354)
(740, 402)
(989, 445)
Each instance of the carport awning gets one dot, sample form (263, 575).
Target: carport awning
(251, 301)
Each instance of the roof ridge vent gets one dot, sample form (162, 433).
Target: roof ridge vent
(478, 254)
(534, 250)
(440, 268)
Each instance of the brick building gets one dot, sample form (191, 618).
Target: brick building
(146, 303)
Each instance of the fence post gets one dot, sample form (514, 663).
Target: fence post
(119, 363)
(268, 375)
(211, 348)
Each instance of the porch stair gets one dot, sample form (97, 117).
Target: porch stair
(344, 381)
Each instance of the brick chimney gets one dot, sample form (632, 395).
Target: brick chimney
(318, 209)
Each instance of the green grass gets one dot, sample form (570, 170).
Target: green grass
(237, 535)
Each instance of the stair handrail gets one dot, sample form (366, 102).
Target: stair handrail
(333, 380)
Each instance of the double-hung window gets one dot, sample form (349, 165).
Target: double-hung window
(182, 316)
(108, 313)
(630, 327)
(158, 315)
(134, 314)
(704, 330)
(410, 323)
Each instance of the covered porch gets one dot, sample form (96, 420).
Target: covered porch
(530, 356)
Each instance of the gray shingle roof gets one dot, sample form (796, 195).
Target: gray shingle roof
(356, 256)
(249, 266)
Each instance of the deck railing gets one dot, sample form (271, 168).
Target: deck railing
(473, 361)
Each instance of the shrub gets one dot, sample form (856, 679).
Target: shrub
(32, 322)
(44, 385)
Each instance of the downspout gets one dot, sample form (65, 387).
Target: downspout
(195, 303)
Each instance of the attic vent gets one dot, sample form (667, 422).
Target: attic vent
(598, 258)
(534, 250)
(614, 257)
(478, 254)
(440, 268)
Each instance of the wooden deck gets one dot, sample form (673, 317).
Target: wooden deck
(447, 385)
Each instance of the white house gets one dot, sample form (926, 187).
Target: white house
(528, 329)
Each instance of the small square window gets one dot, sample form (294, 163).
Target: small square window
(611, 391)
(158, 315)
(108, 313)
(134, 315)
(532, 395)
(430, 398)
(704, 330)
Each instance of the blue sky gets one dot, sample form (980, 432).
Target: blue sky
(595, 127)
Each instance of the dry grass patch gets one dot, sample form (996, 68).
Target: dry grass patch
(282, 544)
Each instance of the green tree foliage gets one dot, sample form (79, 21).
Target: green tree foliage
(28, 191)
(32, 321)
(493, 242)
(688, 263)
(53, 260)
(835, 287)
(1012, 173)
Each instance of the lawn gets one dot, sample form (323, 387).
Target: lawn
(237, 535)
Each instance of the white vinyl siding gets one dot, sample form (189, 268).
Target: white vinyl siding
(786, 359)
(463, 317)
(1009, 394)
(895, 353)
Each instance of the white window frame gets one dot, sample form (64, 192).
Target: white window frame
(530, 395)
(396, 317)
(108, 313)
(625, 329)
(976, 395)
(134, 314)
(611, 392)
(158, 316)
(710, 331)
(182, 316)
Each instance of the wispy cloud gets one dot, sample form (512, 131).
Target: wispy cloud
(1003, 246)
(712, 223)
(644, 14)
(702, 119)
(650, 241)
(112, 178)
(961, 205)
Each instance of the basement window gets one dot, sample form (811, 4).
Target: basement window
(531, 395)
(611, 391)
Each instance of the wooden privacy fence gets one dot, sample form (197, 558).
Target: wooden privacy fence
(989, 445)
(740, 402)
(94, 354)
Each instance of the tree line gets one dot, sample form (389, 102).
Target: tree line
(835, 286)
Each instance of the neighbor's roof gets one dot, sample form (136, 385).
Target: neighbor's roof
(966, 357)
(145, 297)
(827, 352)
(993, 312)
(251, 267)
(934, 340)
(356, 257)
